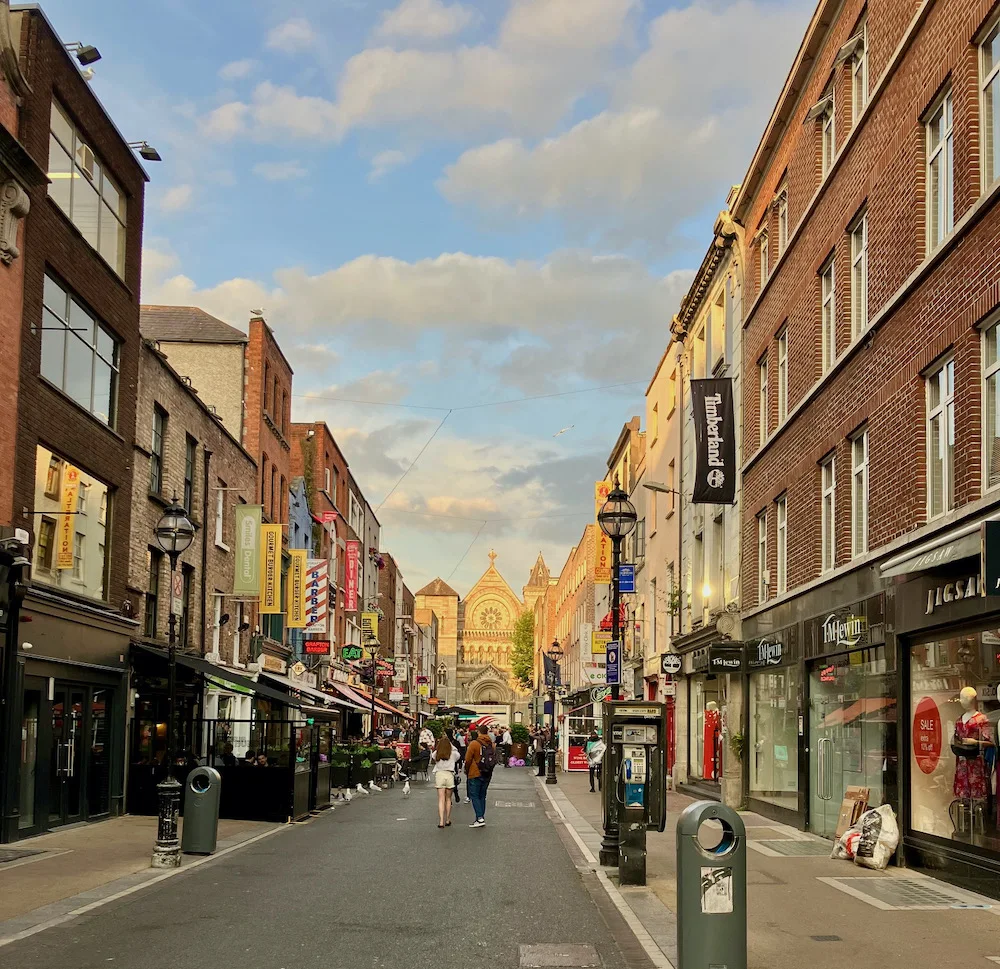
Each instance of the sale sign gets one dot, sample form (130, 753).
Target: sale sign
(351, 576)
(927, 735)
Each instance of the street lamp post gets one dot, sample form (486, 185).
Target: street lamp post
(174, 533)
(555, 654)
(617, 518)
(372, 646)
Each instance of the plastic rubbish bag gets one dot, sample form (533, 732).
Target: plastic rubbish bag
(846, 846)
(879, 838)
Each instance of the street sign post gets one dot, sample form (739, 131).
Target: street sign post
(626, 578)
(177, 593)
(614, 672)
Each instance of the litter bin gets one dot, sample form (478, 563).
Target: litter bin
(711, 890)
(201, 811)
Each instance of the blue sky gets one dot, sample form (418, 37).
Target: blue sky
(443, 204)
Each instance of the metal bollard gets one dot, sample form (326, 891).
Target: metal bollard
(632, 823)
(711, 891)
(202, 791)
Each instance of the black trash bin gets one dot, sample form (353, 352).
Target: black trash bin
(202, 791)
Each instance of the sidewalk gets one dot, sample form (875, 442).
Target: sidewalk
(56, 873)
(804, 908)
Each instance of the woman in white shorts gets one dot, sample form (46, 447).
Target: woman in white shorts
(444, 759)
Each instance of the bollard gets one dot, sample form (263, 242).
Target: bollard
(711, 891)
(202, 791)
(632, 823)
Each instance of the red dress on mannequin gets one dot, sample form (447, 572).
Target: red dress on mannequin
(713, 723)
(970, 772)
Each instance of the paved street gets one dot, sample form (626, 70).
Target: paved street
(371, 884)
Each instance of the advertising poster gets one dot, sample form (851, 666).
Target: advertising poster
(247, 578)
(67, 504)
(270, 555)
(715, 442)
(369, 625)
(296, 588)
(602, 544)
(577, 758)
(351, 576)
(317, 596)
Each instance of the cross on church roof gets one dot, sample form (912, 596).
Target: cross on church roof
(493, 557)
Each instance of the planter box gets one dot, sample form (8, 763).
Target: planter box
(340, 775)
(520, 751)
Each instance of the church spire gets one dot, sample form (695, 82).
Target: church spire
(493, 558)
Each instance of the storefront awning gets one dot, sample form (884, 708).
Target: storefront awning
(961, 543)
(219, 677)
(382, 705)
(308, 692)
(351, 698)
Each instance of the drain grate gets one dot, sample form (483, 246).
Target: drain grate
(8, 855)
(896, 894)
(826, 938)
(513, 804)
(799, 848)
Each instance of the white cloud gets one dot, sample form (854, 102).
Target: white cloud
(425, 20)
(282, 171)
(384, 162)
(235, 70)
(292, 36)
(225, 121)
(574, 24)
(177, 198)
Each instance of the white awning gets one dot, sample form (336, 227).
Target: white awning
(306, 691)
(961, 543)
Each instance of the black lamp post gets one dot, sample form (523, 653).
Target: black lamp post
(617, 518)
(555, 654)
(14, 582)
(174, 533)
(372, 647)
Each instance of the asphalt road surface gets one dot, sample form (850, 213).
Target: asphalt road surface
(373, 884)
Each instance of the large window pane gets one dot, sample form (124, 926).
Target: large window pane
(60, 175)
(774, 740)
(53, 348)
(79, 371)
(85, 208)
(112, 237)
(61, 127)
(114, 198)
(102, 390)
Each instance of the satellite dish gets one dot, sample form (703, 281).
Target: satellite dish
(725, 624)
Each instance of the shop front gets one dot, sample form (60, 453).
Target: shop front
(950, 640)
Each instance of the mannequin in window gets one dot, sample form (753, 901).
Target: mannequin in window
(713, 729)
(973, 735)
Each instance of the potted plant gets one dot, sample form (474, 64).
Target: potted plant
(519, 734)
(340, 766)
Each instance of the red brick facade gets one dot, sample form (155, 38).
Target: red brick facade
(921, 307)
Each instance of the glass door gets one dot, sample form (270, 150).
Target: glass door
(852, 729)
(66, 760)
(28, 786)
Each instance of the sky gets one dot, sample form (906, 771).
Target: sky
(443, 207)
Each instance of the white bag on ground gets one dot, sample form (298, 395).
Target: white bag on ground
(846, 845)
(879, 837)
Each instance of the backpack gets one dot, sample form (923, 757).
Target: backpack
(487, 760)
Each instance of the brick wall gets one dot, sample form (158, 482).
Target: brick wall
(52, 243)
(878, 382)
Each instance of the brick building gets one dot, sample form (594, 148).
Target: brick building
(72, 489)
(870, 453)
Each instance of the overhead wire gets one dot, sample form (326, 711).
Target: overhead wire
(413, 463)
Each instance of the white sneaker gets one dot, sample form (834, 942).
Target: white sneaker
(478, 823)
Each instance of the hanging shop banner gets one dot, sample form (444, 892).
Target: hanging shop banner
(599, 642)
(613, 663)
(317, 597)
(296, 588)
(715, 442)
(351, 576)
(626, 578)
(270, 556)
(602, 544)
(369, 625)
(317, 647)
(247, 579)
(70, 491)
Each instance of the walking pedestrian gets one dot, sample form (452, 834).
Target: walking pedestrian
(444, 759)
(480, 759)
(508, 742)
(540, 752)
(595, 754)
(456, 742)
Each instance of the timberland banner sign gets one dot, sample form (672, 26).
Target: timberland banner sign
(247, 579)
(715, 442)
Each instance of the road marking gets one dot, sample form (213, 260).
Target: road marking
(84, 909)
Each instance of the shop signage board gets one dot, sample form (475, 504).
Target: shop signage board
(317, 647)
(351, 654)
(598, 694)
(599, 642)
(68, 503)
(626, 578)
(317, 596)
(295, 587)
(433, 701)
(246, 581)
(595, 672)
(613, 662)
(715, 442)
(423, 689)
(849, 631)
(670, 689)
(369, 625)
(602, 544)
(327, 517)
(927, 734)
(671, 663)
(395, 696)
(762, 653)
(272, 663)
(725, 658)
(991, 558)
(352, 551)
(270, 555)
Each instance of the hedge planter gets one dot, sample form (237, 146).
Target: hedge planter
(361, 770)
(519, 752)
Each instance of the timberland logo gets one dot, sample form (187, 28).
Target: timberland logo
(844, 632)
(713, 419)
(951, 592)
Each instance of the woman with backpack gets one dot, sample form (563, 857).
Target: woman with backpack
(445, 760)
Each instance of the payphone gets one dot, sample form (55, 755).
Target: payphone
(635, 794)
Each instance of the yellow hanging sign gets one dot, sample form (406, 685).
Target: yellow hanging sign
(270, 560)
(297, 588)
(70, 490)
(602, 544)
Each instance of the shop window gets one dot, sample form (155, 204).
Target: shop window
(774, 754)
(69, 548)
(954, 713)
(706, 728)
(941, 439)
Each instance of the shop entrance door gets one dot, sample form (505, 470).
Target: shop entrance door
(852, 729)
(66, 757)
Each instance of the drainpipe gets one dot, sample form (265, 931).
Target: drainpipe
(204, 546)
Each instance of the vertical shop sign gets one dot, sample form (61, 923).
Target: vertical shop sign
(246, 581)
(270, 554)
(715, 442)
(351, 577)
(602, 544)
(369, 625)
(296, 607)
(317, 596)
(70, 490)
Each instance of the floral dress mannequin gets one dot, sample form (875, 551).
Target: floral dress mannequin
(972, 733)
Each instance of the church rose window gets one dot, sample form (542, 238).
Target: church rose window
(489, 618)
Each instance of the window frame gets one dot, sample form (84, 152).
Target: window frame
(990, 371)
(989, 150)
(151, 597)
(763, 394)
(782, 354)
(860, 482)
(944, 408)
(828, 513)
(781, 542)
(220, 514)
(764, 257)
(762, 587)
(945, 148)
(828, 135)
(782, 219)
(828, 314)
(859, 74)
(157, 449)
(859, 265)
(190, 466)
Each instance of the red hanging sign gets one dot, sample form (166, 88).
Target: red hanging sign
(351, 576)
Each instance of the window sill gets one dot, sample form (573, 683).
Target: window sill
(221, 545)
(83, 410)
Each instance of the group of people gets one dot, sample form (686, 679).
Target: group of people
(477, 752)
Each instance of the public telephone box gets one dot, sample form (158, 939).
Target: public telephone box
(635, 762)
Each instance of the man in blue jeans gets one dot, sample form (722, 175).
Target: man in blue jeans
(479, 761)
